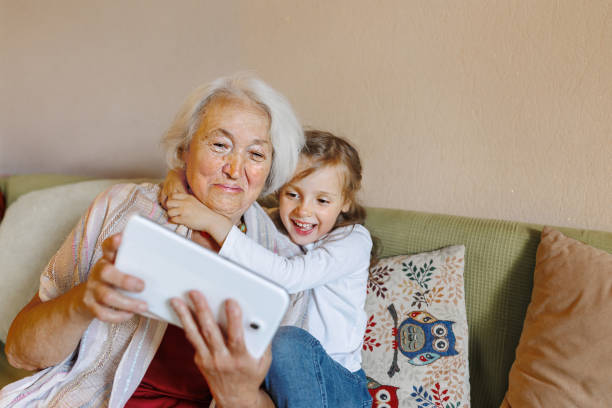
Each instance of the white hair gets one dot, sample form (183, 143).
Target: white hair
(286, 132)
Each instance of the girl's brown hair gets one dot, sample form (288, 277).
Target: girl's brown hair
(326, 149)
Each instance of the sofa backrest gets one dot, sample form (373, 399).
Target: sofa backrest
(499, 263)
(14, 186)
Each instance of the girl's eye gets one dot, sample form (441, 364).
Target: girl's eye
(323, 201)
(291, 194)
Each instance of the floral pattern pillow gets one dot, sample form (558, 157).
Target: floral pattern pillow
(415, 350)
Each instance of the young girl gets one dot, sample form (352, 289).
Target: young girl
(319, 212)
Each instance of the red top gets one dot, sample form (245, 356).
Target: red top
(172, 379)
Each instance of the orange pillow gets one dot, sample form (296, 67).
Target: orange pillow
(564, 356)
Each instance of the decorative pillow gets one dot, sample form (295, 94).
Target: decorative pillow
(415, 350)
(33, 229)
(564, 356)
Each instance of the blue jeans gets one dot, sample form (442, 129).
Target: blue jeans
(303, 375)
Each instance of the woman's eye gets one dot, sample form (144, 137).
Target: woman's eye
(291, 194)
(257, 156)
(219, 147)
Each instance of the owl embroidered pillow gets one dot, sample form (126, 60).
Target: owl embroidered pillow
(415, 350)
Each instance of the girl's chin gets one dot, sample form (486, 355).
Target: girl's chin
(303, 237)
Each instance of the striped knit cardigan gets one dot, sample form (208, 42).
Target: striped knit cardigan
(111, 359)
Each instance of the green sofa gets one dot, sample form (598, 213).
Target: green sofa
(499, 262)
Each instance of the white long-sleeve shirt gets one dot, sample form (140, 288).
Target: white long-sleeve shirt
(334, 269)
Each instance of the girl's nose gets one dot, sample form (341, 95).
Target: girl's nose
(303, 210)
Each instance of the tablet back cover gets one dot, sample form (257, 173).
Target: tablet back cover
(172, 265)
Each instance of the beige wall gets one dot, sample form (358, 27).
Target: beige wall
(90, 86)
(479, 108)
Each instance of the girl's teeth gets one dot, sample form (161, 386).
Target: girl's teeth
(303, 226)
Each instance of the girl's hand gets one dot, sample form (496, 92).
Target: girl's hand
(175, 182)
(99, 297)
(187, 210)
(233, 375)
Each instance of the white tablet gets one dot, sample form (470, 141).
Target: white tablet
(171, 265)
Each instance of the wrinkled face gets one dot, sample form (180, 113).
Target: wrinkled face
(309, 207)
(229, 157)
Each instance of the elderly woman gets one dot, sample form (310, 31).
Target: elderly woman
(236, 138)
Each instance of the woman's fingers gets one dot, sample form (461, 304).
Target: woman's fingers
(265, 360)
(192, 331)
(99, 304)
(229, 370)
(208, 324)
(110, 275)
(108, 296)
(108, 314)
(235, 332)
(110, 246)
(202, 329)
(101, 296)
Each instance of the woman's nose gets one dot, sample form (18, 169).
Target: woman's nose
(234, 165)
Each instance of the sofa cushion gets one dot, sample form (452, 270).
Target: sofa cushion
(33, 229)
(564, 354)
(415, 347)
